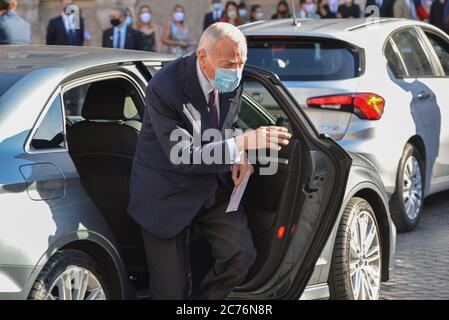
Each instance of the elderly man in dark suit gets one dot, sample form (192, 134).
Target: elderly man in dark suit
(121, 35)
(63, 30)
(193, 96)
(13, 29)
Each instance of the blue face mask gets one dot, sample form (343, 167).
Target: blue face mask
(226, 80)
(128, 21)
(217, 6)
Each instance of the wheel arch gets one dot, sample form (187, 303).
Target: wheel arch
(106, 263)
(101, 250)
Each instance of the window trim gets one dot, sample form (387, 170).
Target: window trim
(401, 59)
(429, 47)
(28, 149)
(423, 46)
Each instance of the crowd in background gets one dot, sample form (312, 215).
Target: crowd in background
(137, 31)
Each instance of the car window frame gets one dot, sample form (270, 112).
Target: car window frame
(423, 46)
(27, 147)
(429, 47)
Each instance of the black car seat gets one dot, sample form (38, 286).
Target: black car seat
(102, 147)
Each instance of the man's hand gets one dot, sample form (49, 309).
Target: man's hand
(239, 171)
(263, 138)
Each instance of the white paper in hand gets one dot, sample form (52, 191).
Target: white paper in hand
(237, 194)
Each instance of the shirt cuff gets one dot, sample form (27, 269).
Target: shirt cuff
(233, 151)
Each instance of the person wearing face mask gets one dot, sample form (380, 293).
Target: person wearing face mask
(232, 15)
(333, 6)
(129, 20)
(308, 10)
(145, 25)
(282, 11)
(243, 12)
(324, 11)
(176, 33)
(61, 31)
(214, 15)
(256, 13)
(121, 36)
(348, 9)
(194, 96)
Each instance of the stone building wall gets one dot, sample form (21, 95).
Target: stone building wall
(96, 13)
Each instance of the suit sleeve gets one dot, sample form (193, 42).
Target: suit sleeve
(103, 43)
(50, 33)
(185, 153)
(82, 31)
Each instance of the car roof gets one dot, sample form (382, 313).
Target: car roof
(344, 29)
(25, 59)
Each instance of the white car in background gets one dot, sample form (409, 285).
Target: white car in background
(380, 89)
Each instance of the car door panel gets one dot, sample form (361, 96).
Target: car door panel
(303, 198)
(438, 47)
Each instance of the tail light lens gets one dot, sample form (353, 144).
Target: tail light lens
(368, 106)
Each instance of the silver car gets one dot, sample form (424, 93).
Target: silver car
(378, 87)
(69, 121)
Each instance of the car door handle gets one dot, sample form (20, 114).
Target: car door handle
(424, 95)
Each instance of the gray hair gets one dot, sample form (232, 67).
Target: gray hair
(221, 30)
(122, 11)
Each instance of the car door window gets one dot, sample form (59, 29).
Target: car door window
(50, 133)
(74, 101)
(441, 47)
(413, 54)
(259, 108)
(394, 61)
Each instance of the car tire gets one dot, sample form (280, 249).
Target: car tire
(69, 275)
(407, 202)
(355, 272)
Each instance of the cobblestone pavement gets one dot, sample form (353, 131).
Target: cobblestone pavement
(422, 256)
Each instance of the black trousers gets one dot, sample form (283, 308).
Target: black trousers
(232, 249)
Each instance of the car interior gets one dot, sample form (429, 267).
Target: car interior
(103, 122)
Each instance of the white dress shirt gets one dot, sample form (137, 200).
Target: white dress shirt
(207, 89)
(69, 22)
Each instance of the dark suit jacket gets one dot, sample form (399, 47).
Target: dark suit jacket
(133, 39)
(57, 35)
(209, 20)
(165, 197)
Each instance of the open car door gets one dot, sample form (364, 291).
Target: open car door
(292, 211)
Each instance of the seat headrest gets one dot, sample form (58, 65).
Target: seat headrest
(105, 100)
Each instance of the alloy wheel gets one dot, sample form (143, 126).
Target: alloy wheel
(412, 188)
(365, 257)
(76, 283)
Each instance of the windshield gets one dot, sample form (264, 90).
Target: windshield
(294, 59)
(7, 80)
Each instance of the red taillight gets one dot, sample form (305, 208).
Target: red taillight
(281, 232)
(365, 105)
